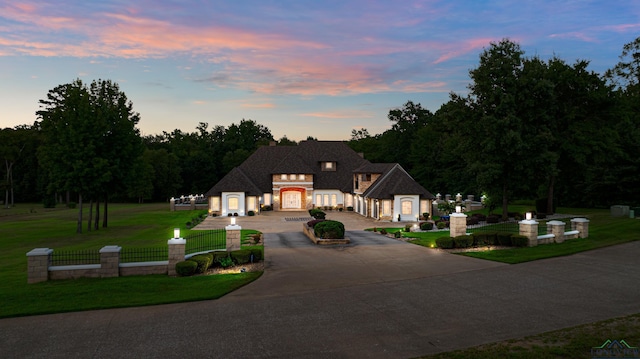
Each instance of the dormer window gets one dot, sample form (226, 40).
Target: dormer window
(328, 166)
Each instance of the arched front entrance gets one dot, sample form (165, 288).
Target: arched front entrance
(292, 198)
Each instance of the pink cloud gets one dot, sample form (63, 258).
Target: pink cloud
(258, 105)
(459, 49)
(339, 114)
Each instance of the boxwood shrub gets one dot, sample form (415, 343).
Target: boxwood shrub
(444, 242)
(426, 226)
(241, 256)
(329, 230)
(463, 241)
(186, 268)
(257, 254)
(519, 241)
(503, 239)
(203, 262)
(317, 213)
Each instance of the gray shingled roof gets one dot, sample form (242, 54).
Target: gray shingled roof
(396, 181)
(254, 175)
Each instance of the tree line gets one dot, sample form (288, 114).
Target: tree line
(527, 128)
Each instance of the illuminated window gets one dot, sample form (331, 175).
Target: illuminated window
(301, 177)
(386, 208)
(232, 203)
(283, 177)
(334, 200)
(326, 200)
(407, 207)
(251, 203)
(318, 200)
(214, 203)
(292, 177)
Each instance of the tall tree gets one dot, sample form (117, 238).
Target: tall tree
(12, 144)
(498, 158)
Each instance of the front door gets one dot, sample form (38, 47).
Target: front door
(291, 200)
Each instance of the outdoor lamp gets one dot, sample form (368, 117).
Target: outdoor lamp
(176, 233)
(528, 216)
(233, 221)
(458, 209)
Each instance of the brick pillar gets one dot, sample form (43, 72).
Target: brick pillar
(110, 261)
(557, 229)
(529, 229)
(172, 204)
(458, 224)
(192, 203)
(581, 225)
(38, 261)
(233, 237)
(176, 253)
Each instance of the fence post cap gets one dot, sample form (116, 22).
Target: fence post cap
(39, 252)
(110, 249)
(177, 241)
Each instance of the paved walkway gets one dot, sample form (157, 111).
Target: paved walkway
(374, 298)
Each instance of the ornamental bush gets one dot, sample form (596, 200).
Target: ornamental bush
(241, 256)
(444, 242)
(203, 262)
(519, 241)
(503, 239)
(186, 268)
(317, 213)
(329, 230)
(313, 223)
(257, 254)
(463, 241)
(472, 221)
(426, 226)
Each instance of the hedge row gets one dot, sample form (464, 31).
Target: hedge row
(481, 239)
(199, 264)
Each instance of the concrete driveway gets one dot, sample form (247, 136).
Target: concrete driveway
(375, 298)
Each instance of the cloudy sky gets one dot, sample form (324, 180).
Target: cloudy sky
(300, 67)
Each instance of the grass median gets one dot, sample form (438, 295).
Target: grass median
(26, 227)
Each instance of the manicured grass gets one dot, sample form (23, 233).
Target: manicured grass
(26, 227)
(604, 231)
(576, 342)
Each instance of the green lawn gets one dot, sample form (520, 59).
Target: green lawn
(26, 227)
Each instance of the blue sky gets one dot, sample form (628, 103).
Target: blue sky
(301, 68)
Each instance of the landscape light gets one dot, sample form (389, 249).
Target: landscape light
(233, 221)
(458, 209)
(176, 233)
(528, 216)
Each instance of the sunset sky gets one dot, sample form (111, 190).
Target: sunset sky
(300, 68)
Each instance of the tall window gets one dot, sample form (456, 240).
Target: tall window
(318, 200)
(232, 203)
(407, 207)
(251, 203)
(386, 207)
(214, 203)
(334, 200)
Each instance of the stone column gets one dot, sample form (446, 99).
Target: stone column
(458, 224)
(192, 203)
(172, 204)
(529, 229)
(176, 254)
(581, 225)
(233, 237)
(110, 261)
(38, 261)
(557, 229)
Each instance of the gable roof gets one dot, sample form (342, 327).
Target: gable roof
(396, 181)
(235, 181)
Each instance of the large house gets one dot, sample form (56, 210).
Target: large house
(324, 174)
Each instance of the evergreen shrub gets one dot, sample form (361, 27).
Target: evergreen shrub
(463, 241)
(444, 242)
(503, 239)
(519, 241)
(186, 268)
(329, 230)
(426, 226)
(241, 256)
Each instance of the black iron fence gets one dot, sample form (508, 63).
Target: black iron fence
(206, 241)
(76, 257)
(130, 255)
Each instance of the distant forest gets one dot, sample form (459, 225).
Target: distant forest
(527, 129)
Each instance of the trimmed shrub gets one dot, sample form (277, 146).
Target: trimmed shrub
(481, 217)
(383, 231)
(186, 268)
(407, 228)
(241, 256)
(519, 241)
(503, 239)
(486, 238)
(251, 213)
(329, 230)
(224, 261)
(313, 223)
(425, 215)
(444, 242)
(267, 208)
(492, 218)
(463, 241)
(217, 256)
(350, 209)
(317, 213)
(204, 262)
(426, 226)
(397, 234)
(441, 225)
(472, 221)
(257, 254)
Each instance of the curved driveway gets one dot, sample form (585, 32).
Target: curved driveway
(374, 298)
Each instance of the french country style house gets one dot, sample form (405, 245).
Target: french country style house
(324, 174)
